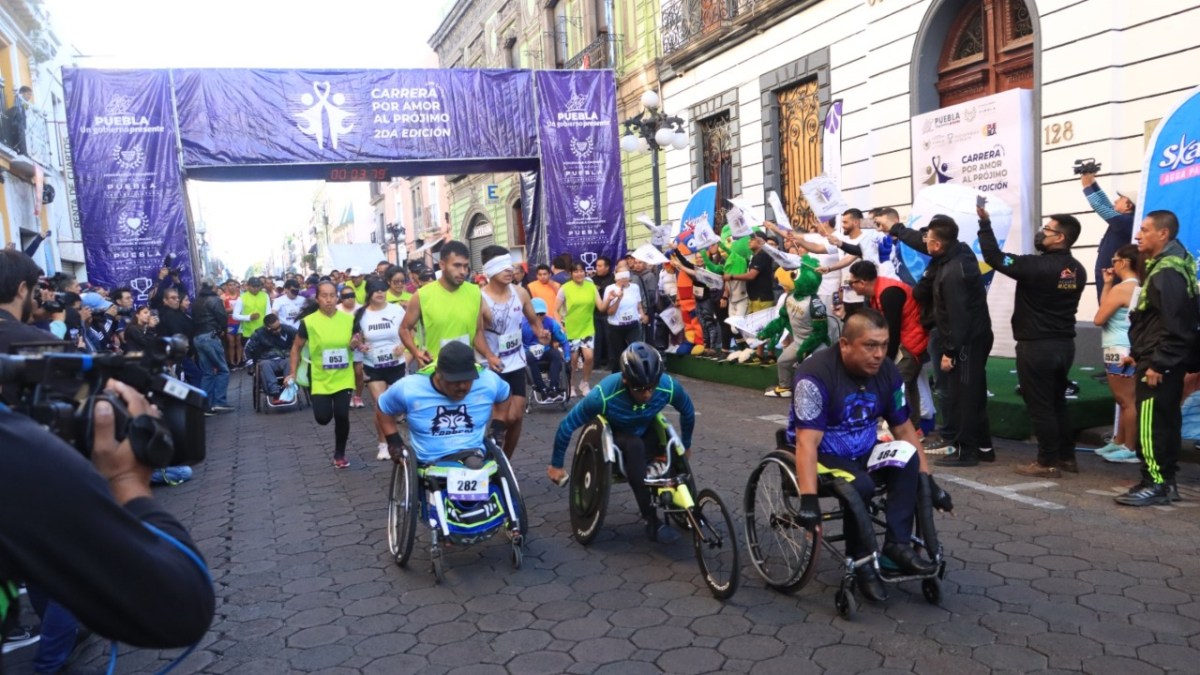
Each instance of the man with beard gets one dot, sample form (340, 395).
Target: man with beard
(18, 284)
(1049, 286)
(953, 286)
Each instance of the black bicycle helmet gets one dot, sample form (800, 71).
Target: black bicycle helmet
(641, 365)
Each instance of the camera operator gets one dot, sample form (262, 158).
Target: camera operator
(1119, 217)
(18, 298)
(83, 533)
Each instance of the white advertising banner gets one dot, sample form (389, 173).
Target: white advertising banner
(984, 145)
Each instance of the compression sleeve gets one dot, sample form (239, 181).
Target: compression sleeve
(90, 553)
(585, 410)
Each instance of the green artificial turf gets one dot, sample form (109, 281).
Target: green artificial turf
(1009, 419)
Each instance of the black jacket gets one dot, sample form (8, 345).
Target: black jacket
(267, 345)
(953, 288)
(1162, 335)
(174, 322)
(90, 553)
(1048, 288)
(208, 314)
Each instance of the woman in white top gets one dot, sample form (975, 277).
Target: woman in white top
(348, 303)
(623, 305)
(377, 343)
(1120, 292)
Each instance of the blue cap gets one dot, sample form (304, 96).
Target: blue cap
(95, 302)
(539, 305)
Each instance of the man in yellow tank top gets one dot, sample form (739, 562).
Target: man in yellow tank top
(447, 310)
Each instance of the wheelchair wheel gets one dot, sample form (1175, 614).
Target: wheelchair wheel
(783, 552)
(403, 504)
(506, 472)
(932, 591)
(715, 543)
(845, 603)
(255, 387)
(591, 479)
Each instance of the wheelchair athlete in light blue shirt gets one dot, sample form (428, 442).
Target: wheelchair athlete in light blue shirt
(449, 407)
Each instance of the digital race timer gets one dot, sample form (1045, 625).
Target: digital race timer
(344, 174)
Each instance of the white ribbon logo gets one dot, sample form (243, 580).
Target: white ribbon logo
(321, 106)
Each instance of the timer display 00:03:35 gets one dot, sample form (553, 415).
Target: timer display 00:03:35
(341, 174)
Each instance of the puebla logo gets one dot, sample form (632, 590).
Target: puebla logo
(133, 221)
(575, 112)
(129, 158)
(584, 206)
(118, 113)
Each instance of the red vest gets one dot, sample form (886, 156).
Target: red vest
(913, 335)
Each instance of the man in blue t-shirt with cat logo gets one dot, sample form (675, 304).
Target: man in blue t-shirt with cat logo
(448, 409)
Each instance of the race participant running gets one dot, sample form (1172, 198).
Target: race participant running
(840, 394)
(288, 305)
(348, 303)
(504, 305)
(578, 300)
(377, 333)
(448, 407)
(250, 308)
(233, 345)
(625, 314)
(630, 401)
(328, 333)
(448, 310)
(397, 281)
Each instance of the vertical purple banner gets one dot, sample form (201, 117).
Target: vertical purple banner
(581, 164)
(127, 177)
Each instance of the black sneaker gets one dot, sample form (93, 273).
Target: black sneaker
(987, 454)
(870, 584)
(1147, 495)
(958, 458)
(20, 637)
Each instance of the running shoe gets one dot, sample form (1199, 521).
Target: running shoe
(1122, 456)
(341, 463)
(356, 402)
(778, 392)
(584, 388)
(383, 454)
(20, 637)
(1108, 449)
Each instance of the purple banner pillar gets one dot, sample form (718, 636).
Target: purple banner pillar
(581, 164)
(128, 182)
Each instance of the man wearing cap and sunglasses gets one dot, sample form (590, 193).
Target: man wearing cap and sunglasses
(287, 306)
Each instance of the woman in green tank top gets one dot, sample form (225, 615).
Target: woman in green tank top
(578, 299)
(328, 334)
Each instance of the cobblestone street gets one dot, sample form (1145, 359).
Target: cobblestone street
(1042, 577)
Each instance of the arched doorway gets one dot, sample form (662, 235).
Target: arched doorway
(479, 236)
(988, 49)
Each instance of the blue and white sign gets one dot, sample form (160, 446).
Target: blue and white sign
(1171, 179)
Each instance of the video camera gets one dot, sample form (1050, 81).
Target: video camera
(1089, 165)
(60, 391)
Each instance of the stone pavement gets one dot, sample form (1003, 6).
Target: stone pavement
(1042, 577)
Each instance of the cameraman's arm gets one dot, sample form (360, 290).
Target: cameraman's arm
(67, 530)
(1097, 199)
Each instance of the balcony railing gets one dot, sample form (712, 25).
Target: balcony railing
(595, 56)
(689, 22)
(27, 133)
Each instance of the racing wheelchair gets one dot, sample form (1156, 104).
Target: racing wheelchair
(598, 463)
(464, 498)
(785, 553)
(537, 399)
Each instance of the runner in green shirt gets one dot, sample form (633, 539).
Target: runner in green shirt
(447, 309)
(578, 299)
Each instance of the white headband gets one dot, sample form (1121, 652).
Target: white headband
(497, 265)
(623, 274)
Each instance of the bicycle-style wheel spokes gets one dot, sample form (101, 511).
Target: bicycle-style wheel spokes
(783, 552)
(715, 543)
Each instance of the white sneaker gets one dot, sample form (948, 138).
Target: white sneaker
(584, 388)
(383, 452)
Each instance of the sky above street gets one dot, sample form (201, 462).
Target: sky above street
(246, 219)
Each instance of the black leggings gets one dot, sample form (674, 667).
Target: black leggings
(336, 407)
(636, 452)
(620, 337)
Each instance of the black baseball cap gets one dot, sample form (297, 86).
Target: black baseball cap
(254, 282)
(456, 362)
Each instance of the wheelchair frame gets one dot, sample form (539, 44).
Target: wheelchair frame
(792, 572)
(413, 488)
(591, 480)
(532, 399)
(260, 396)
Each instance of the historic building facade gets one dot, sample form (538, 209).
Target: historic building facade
(755, 79)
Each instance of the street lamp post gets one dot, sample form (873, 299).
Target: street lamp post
(650, 131)
(397, 231)
(201, 230)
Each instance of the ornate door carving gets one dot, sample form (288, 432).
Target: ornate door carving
(989, 49)
(799, 145)
(717, 148)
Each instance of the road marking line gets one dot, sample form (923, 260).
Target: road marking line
(1106, 493)
(1004, 491)
(777, 419)
(1037, 485)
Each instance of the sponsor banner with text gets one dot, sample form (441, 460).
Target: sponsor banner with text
(1171, 179)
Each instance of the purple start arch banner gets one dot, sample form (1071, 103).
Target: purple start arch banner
(136, 135)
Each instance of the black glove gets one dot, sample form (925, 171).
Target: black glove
(809, 515)
(940, 498)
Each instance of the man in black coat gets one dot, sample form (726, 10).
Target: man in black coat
(953, 286)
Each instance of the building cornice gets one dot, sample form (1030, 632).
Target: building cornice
(449, 23)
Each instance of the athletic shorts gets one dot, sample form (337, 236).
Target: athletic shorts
(588, 342)
(388, 376)
(235, 329)
(516, 382)
(760, 305)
